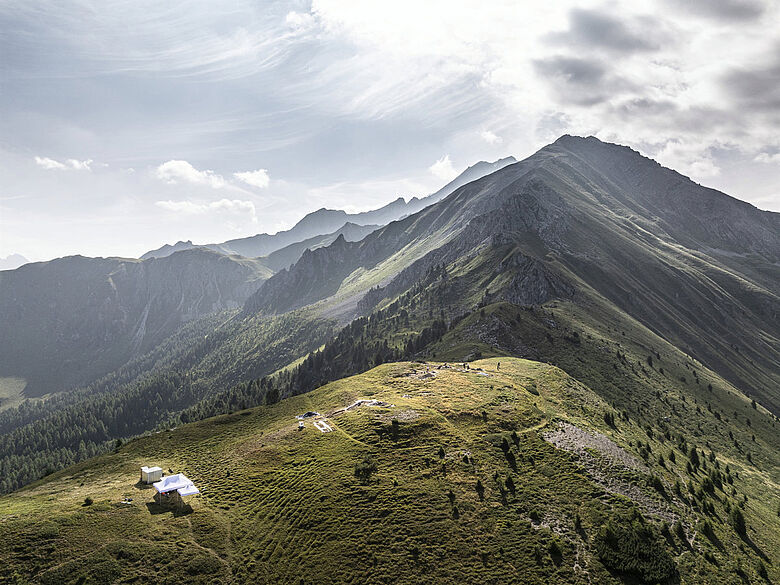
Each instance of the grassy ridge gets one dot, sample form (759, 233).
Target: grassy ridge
(284, 506)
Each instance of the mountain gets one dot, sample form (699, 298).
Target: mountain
(326, 221)
(628, 436)
(508, 471)
(580, 218)
(168, 249)
(285, 257)
(71, 320)
(12, 261)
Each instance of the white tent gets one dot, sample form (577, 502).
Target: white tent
(177, 482)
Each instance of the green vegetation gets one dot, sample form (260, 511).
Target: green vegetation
(39, 437)
(373, 500)
(628, 544)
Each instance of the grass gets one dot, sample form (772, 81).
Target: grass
(280, 505)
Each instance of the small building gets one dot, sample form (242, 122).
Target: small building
(306, 415)
(172, 488)
(151, 474)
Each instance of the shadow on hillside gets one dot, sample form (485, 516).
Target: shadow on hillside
(139, 485)
(155, 509)
(761, 554)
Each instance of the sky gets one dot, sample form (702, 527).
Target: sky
(127, 125)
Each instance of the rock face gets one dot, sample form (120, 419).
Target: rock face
(67, 321)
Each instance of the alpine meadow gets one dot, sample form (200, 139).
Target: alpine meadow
(561, 366)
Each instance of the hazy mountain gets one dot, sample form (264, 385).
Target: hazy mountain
(70, 320)
(326, 221)
(12, 261)
(285, 257)
(168, 249)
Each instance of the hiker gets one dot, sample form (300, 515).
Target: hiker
(498, 366)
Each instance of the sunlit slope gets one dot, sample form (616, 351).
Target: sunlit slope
(465, 487)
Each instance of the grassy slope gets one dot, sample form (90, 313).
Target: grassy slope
(283, 506)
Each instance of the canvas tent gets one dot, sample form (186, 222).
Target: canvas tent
(171, 488)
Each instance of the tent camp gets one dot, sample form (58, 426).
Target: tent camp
(171, 488)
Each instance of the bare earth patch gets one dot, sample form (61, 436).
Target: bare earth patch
(607, 463)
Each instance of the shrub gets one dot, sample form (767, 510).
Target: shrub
(555, 550)
(737, 519)
(88, 501)
(203, 565)
(364, 469)
(510, 484)
(679, 530)
(706, 530)
(627, 544)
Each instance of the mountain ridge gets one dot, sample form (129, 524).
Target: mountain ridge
(598, 230)
(324, 221)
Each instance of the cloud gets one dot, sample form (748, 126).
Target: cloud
(49, 163)
(490, 137)
(69, 164)
(765, 157)
(300, 21)
(79, 165)
(233, 206)
(579, 81)
(726, 10)
(757, 88)
(443, 169)
(592, 28)
(175, 171)
(689, 158)
(258, 178)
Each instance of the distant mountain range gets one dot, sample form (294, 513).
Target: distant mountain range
(68, 321)
(326, 221)
(72, 320)
(12, 261)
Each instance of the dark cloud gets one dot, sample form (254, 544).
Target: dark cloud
(728, 10)
(757, 89)
(573, 70)
(579, 81)
(592, 28)
(668, 115)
